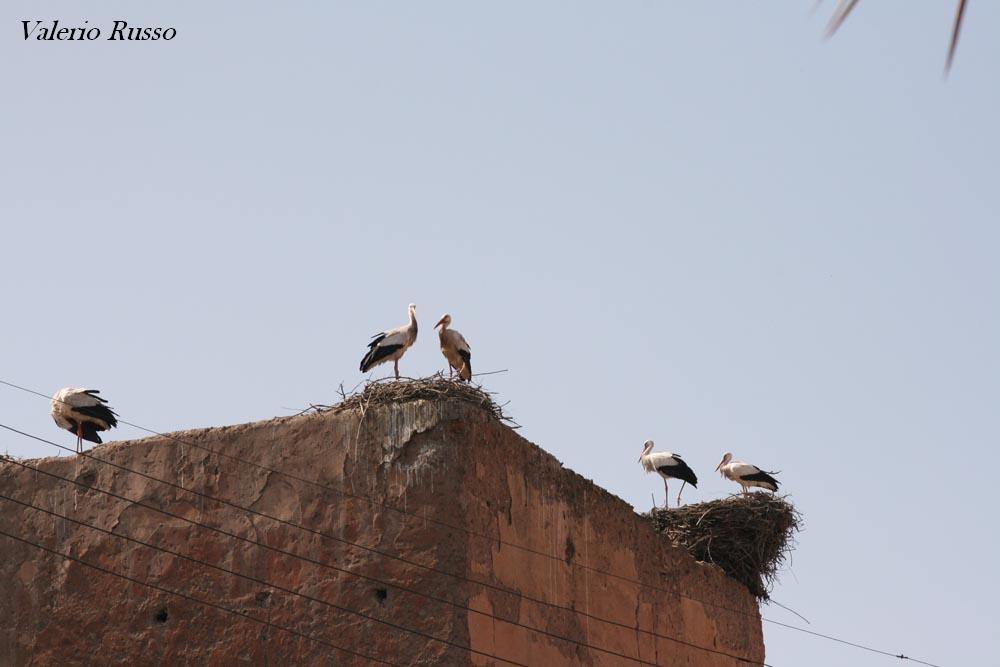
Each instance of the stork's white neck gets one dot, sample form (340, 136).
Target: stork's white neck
(644, 457)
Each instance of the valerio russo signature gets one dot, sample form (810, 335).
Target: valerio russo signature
(120, 31)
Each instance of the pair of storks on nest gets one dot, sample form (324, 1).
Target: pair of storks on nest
(672, 466)
(391, 345)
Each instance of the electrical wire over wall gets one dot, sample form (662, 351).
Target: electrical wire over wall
(630, 628)
(492, 539)
(190, 598)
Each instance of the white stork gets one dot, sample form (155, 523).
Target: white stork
(668, 465)
(745, 474)
(83, 413)
(390, 345)
(455, 349)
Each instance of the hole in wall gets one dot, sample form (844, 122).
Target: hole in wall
(570, 549)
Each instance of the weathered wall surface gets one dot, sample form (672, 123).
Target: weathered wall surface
(445, 460)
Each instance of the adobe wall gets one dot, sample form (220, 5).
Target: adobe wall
(446, 460)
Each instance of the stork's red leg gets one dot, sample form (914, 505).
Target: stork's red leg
(680, 492)
(666, 494)
(395, 364)
(79, 437)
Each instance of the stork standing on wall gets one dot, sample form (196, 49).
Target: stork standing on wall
(391, 345)
(668, 465)
(745, 474)
(455, 349)
(83, 413)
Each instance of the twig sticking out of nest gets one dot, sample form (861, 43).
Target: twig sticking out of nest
(433, 388)
(749, 537)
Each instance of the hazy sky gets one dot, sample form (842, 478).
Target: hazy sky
(694, 222)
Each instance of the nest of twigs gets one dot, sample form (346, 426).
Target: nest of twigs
(750, 537)
(434, 388)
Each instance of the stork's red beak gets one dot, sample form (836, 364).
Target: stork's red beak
(720, 465)
(440, 322)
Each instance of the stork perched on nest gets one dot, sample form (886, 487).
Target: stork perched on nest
(83, 413)
(746, 474)
(668, 465)
(391, 345)
(455, 349)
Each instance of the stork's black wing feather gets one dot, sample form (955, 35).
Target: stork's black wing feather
(93, 393)
(761, 476)
(88, 431)
(466, 372)
(102, 412)
(680, 471)
(377, 354)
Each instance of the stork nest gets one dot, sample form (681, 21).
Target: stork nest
(750, 537)
(434, 388)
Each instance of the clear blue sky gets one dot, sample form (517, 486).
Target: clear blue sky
(694, 222)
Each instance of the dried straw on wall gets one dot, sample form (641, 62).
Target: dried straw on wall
(433, 388)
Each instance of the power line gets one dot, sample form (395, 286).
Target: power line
(497, 539)
(198, 600)
(501, 589)
(900, 656)
(262, 582)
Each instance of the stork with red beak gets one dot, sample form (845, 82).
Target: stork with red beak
(746, 475)
(83, 413)
(455, 349)
(668, 465)
(392, 344)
